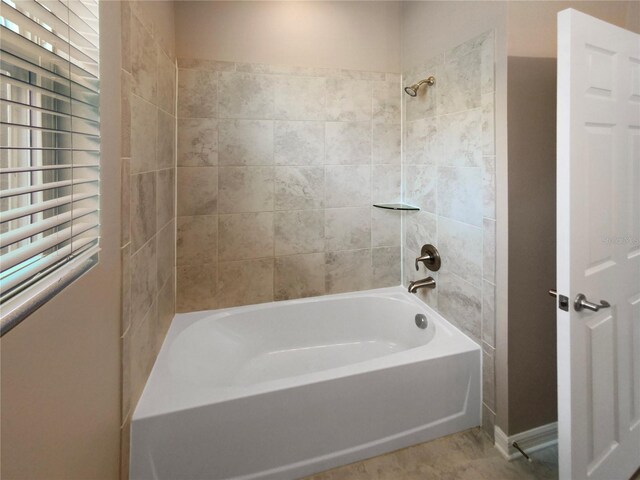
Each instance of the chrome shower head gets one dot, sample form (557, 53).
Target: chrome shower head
(412, 91)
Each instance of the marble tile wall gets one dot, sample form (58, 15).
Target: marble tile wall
(148, 204)
(278, 168)
(449, 172)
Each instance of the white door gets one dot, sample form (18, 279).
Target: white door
(598, 182)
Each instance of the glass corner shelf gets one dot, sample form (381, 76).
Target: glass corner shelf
(395, 206)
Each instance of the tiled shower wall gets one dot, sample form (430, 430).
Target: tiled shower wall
(449, 172)
(148, 210)
(277, 170)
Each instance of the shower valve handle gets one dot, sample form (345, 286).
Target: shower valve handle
(430, 257)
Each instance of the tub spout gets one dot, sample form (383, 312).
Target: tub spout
(428, 282)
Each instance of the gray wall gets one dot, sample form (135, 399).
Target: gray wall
(532, 242)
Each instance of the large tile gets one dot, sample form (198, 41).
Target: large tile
(143, 208)
(487, 63)
(299, 231)
(210, 65)
(489, 187)
(489, 313)
(422, 142)
(424, 104)
(143, 281)
(197, 142)
(347, 228)
(166, 310)
(299, 98)
(166, 140)
(386, 102)
(488, 126)
(348, 271)
(197, 94)
(386, 266)
(385, 183)
(125, 201)
(488, 421)
(143, 61)
(459, 84)
(165, 196)
(141, 354)
(419, 228)
(166, 254)
(242, 236)
(488, 377)
(299, 143)
(386, 144)
(348, 100)
(460, 194)
(196, 287)
(460, 247)
(299, 276)
(461, 304)
(348, 143)
(461, 137)
(125, 302)
(166, 82)
(197, 240)
(420, 186)
(385, 227)
(245, 142)
(347, 186)
(197, 190)
(468, 46)
(125, 114)
(244, 95)
(299, 188)
(144, 121)
(245, 282)
(245, 189)
(125, 45)
(489, 250)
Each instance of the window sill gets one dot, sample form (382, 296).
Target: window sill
(24, 304)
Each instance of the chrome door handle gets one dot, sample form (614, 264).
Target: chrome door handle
(581, 303)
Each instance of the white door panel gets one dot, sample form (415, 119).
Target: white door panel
(598, 247)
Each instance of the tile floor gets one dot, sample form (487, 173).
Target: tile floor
(467, 455)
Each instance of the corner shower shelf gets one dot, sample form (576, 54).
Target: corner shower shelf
(395, 206)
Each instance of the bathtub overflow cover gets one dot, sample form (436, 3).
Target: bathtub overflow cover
(421, 320)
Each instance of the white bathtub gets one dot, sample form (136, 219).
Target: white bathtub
(283, 390)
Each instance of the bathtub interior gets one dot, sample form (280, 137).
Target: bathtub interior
(286, 340)
(218, 356)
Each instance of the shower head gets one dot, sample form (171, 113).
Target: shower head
(412, 91)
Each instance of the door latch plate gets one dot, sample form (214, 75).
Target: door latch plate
(563, 303)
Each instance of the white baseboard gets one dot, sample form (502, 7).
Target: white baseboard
(530, 441)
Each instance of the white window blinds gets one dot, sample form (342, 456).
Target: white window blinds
(50, 140)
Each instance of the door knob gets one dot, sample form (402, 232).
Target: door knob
(581, 303)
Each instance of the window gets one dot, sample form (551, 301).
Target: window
(50, 149)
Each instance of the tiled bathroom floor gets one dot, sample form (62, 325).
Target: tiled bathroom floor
(467, 455)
